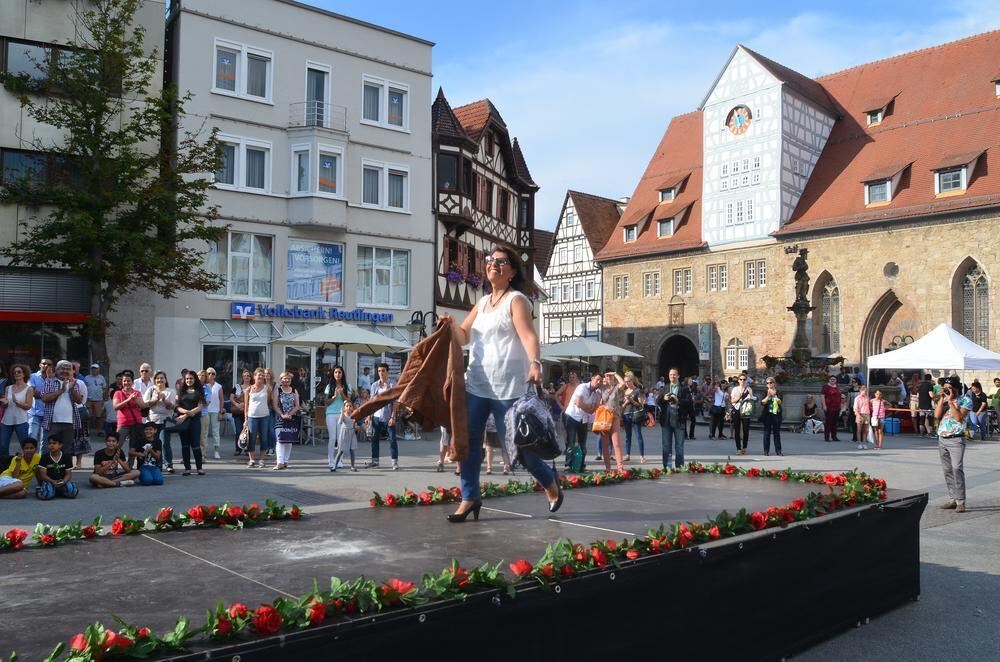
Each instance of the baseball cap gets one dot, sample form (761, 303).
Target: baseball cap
(95, 365)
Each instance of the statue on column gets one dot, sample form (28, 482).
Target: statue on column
(801, 269)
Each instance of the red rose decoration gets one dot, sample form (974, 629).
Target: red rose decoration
(547, 570)
(600, 558)
(882, 495)
(253, 510)
(753, 472)
(238, 610)
(713, 532)
(632, 554)
(16, 538)
(684, 537)
(78, 642)
(789, 515)
(88, 532)
(295, 512)
(266, 620)
(456, 493)
(611, 545)
(521, 568)
(461, 577)
(117, 527)
(197, 513)
(317, 612)
(164, 515)
(224, 627)
(47, 540)
(371, 502)
(580, 557)
(758, 520)
(830, 479)
(394, 590)
(424, 498)
(390, 500)
(142, 633)
(784, 476)
(566, 571)
(729, 469)
(234, 512)
(798, 504)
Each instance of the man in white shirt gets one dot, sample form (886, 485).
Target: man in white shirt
(214, 411)
(384, 420)
(143, 384)
(62, 395)
(580, 413)
(365, 379)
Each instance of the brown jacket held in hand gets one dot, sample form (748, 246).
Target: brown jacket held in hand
(432, 385)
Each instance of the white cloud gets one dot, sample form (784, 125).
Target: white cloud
(590, 106)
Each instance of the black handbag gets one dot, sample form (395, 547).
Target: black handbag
(531, 425)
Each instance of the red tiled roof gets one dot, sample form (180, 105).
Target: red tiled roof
(541, 242)
(947, 106)
(953, 160)
(444, 123)
(886, 171)
(678, 155)
(878, 102)
(807, 87)
(598, 217)
(475, 116)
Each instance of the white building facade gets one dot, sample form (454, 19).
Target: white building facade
(324, 186)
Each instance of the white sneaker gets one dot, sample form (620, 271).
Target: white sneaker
(395, 465)
(127, 483)
(216, 456)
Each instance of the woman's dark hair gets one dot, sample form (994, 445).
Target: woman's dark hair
(197, 386)
(519, 282)
(343, 377)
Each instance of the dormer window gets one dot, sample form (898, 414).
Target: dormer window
(665, 228)
(631, 232)
(876, 192)
(950, 180)
(668, 194)
(875, 117)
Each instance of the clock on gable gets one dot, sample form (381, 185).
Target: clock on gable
(738, 120)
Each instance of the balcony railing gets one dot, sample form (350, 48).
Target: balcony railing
(317, 113)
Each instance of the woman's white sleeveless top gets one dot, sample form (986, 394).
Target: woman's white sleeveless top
(498, 364)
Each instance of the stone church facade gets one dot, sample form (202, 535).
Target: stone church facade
(888, 173)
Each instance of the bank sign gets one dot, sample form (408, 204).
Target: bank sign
(245, 310)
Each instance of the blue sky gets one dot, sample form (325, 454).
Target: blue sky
(589, 87)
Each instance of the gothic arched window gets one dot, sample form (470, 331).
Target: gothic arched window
(831, 318)
(975, 306)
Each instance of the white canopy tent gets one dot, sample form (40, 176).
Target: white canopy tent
(944, 348)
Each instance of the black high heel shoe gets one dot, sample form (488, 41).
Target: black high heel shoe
(456, 518)
(555, 505)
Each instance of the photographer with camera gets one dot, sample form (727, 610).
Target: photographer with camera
(674, 401)
(953, 413)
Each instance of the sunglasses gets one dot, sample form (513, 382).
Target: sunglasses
(500, 262)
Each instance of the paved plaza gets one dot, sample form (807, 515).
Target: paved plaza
(957, 617)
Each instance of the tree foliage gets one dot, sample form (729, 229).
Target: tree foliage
(124, 200)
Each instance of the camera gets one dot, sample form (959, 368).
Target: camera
(148, 447)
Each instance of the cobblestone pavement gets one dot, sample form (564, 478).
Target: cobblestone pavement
(957, 618)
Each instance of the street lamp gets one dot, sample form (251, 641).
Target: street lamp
(418, 322)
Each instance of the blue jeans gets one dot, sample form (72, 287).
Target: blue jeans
(47, 490)
(478, 410)
(977, 423)
(673, 444)
(258, 428)
(7, 431)
(379, 427)
(35, 428)
(150, 475)
(628, 420)
(168, 451)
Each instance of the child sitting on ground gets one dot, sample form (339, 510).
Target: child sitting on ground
(16, 478)
(347, 438)
(110, 466)
(55, 473)
(149, 456)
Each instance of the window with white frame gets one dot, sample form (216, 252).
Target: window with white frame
(651, 284)
(682, 281)
(734, 182)
(316, 170)
(946, 181)
(383, 277)
(245, 165)
(385, 185)
(874, 117)
(329, 171)
(567, 292)
(749, 210)
(755, 178)
(631, 232)
(723, 277)
(750, 269)
(746, 165)
(245, 263)
(242, 71)
(668, 194)
(570, 218)
(739, 212)
(745, 180)
(756, 163)
(591, 289)
(879, 191)
(562, 254)
(385, 103)
(713, 278)
(735, 167)
(729, 213)
(725, 170)
(554, 294)
(665, 227)
(724, 185)
(554, 330)
(578, 253)
(593, 327)
(300, 169)
(737, 355)
(577, 291)
(620, 283)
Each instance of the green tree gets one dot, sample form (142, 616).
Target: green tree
(122, 195)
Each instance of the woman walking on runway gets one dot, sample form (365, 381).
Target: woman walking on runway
(504, 350)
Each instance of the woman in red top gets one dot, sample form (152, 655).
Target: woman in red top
(127, 402)
(832, 399)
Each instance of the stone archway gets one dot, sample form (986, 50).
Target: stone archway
(678, 351)
(875, 324)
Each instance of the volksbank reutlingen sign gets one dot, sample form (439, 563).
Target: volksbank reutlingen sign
(245, 310)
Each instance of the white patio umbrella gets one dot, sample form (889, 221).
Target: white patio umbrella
(585, 348)
(344, 336)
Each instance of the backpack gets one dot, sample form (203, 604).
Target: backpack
(530, 427)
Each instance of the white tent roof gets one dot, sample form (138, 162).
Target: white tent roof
(944, 348)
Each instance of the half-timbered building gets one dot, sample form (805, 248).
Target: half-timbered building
(484, 196)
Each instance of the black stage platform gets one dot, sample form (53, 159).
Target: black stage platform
(758, 596)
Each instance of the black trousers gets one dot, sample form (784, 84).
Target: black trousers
(830, 425)
(772, 425)
(741, 432)
(576, 434)
(715, 422)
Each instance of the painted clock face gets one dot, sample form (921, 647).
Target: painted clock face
(738, 120)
